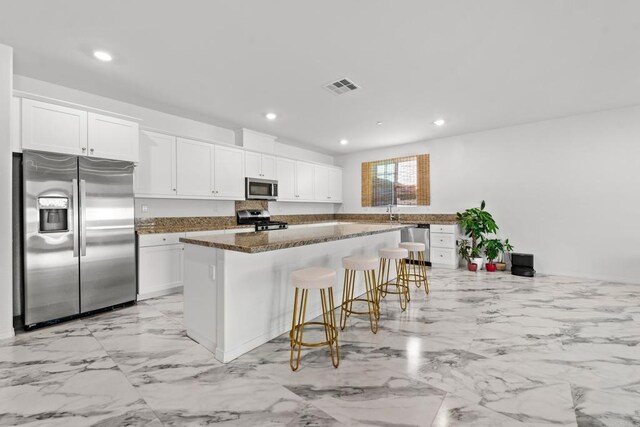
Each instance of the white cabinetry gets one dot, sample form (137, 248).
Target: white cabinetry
(259, 165)
(194, 168)
(327, 184)
(156, 172)
(286, 175)
(160, 264)
(61, 129)
(304, 181)
(50, 127)
(321, 183)
(443, 251)
(112, 138)
(228, 173)
(209, 171)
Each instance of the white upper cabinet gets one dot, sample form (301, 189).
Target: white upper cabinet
(260, 165)
(253, 164)
(228, 173)
(156, 172)
(321, 183)
(61, 129)
(286, 176)
(54, 128)
(194, 168)
(335, 185)
(268, 167)
(112, 138)
(304, 181)
(327, 184)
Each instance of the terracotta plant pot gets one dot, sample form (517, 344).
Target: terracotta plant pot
(490, 267)
(501, 266)
(472, 266)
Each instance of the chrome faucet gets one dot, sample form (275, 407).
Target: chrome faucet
(392, 216)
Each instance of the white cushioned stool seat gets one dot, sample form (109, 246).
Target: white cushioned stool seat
(360, 263)
(313, 278)
(413, 246)
(393, 253)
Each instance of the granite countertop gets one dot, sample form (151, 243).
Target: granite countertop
(264, 241)
(188, 224)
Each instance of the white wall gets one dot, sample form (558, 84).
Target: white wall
(6, 257)
(566, 190)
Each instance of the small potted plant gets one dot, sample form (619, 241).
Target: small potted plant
(477, 223)
(506, 248)
(492, 248)
(464, 250)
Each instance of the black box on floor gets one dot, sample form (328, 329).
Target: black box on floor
(522, 265)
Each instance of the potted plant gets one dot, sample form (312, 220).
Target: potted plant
(506, 248)
(477, 223)
(492, 248)
(464, 250)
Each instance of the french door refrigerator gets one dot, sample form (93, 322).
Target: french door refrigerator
(79, 238)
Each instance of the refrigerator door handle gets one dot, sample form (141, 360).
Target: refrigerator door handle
(83, 218)
(74, 184)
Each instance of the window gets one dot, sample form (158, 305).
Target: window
(403, 181)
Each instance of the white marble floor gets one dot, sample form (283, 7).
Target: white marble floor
(485, 349)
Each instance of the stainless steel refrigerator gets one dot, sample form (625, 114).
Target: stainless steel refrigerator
(79, 238)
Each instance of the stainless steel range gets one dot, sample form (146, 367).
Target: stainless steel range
(79, 238)
(261, 219)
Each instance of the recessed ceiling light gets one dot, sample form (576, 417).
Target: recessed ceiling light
(439, 122)
(378, 123)
(271, 116)
(344, 142)
(102, 55)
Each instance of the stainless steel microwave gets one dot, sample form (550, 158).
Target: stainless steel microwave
(261, 189)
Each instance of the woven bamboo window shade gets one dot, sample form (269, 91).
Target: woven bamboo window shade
(398, 181)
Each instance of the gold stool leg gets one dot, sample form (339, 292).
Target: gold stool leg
(345, 296)
(424, 271)
(400, 285)
(374, 314)
(328, 315)
(298, 329)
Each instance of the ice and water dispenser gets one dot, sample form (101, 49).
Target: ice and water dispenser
(54, 212)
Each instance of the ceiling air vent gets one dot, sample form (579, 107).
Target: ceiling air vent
(341, 86)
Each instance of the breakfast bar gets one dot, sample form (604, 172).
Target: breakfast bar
(236, 286)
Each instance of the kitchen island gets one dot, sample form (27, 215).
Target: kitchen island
(237, 293)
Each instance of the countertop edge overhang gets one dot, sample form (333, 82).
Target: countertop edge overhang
(218, 243)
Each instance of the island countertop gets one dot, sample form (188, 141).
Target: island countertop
(264, 241)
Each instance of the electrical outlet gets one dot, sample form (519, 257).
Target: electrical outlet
(145, 208)
(212, 271)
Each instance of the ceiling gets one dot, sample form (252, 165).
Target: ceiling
(477, 64)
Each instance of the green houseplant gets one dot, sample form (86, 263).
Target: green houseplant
(492, 248)
(477, 223)
(464, 250)
(506, 248)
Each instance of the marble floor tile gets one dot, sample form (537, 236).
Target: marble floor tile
(481, 349)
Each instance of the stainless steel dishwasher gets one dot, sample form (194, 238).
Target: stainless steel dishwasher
(419, 234)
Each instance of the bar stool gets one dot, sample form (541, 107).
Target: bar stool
(416, 273)
(367, 265)
(303, 280)
(399, 256)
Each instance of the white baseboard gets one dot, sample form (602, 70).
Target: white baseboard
(160, 292)
(7, 333)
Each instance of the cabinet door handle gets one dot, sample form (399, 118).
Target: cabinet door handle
(174, 189)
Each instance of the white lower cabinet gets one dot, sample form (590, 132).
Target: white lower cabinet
(160, 264)
(443, 252)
